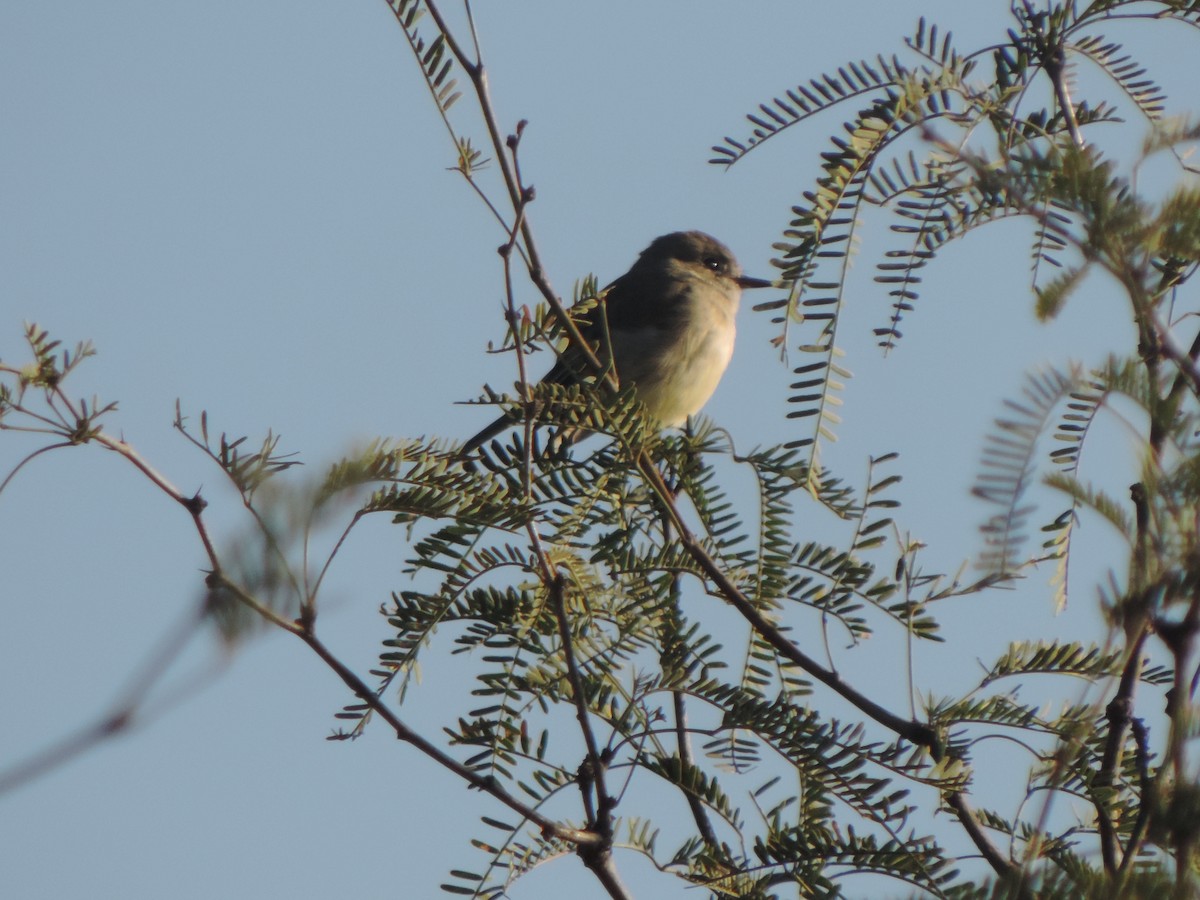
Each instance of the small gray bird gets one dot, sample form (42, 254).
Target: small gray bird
(669, 325)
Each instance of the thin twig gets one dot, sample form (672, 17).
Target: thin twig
(1141, 825)
(478, 75)
(36, 453)
(484, 783)
(1001, 864)
(1189, 371)
(592, 776)
(512, 319)
(914, 732)
(127, 712)
(687, 763)
(194, 504)
(682, 739)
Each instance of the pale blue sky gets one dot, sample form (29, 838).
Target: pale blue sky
(246, 206)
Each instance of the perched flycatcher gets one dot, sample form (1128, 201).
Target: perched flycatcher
(668, 324)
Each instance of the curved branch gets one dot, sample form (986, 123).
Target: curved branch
(918, 733)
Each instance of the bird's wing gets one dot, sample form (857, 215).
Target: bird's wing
(629, 308)
(595, 325)
(618, 309)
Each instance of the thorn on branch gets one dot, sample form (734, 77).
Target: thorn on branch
(1142, 756)
(1118, 711)
(1150, 348)
(1176, 635)
(119, 722)
(515, 138)
(487, 783)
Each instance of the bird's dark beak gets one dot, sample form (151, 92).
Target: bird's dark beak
(744, 281)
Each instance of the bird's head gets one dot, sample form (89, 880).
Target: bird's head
(700, 257)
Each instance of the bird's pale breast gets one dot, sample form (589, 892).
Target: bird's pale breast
(676, 370)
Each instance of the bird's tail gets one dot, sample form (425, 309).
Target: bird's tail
(486, 435)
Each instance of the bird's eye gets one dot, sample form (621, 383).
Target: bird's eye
(715, 263)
